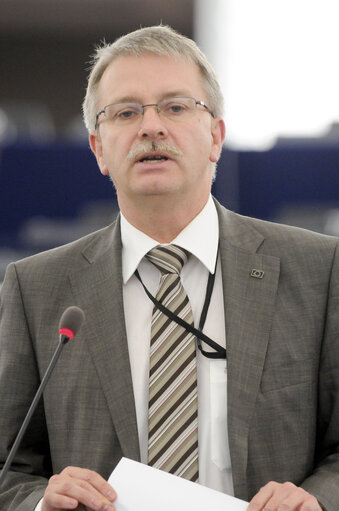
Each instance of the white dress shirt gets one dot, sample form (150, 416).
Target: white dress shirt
(200, 238)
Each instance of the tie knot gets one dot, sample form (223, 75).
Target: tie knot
(169, 259)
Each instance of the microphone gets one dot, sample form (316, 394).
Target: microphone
(70, 322)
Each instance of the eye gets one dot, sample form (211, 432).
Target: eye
(123, 112)
(127, 113)
(175, 108)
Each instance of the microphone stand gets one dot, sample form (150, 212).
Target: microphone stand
(62, 341)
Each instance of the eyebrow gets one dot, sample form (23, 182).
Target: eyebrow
(177, 94)
(125, 99)
(171, 94)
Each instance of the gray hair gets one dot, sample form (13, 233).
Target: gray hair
(160, 40)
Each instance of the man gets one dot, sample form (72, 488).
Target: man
(153, 109)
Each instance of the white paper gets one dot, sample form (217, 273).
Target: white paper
(143, 488)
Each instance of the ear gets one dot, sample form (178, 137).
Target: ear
(218, 131)
(96, 146)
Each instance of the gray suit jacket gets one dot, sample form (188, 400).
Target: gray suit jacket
(282, 353)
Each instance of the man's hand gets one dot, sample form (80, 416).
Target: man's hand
(75, 486)
(283, 497)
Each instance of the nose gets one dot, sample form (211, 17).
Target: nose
(152, 125)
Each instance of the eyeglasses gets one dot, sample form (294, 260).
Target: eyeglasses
(175, 109)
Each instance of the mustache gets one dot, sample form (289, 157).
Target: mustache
(142, 148)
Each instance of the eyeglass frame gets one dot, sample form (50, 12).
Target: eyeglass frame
(197, 102)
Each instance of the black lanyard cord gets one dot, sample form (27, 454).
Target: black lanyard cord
(220, 352)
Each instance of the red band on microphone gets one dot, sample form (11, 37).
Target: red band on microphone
(67, 332)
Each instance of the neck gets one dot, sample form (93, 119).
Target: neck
(162, 219)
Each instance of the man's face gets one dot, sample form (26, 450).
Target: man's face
(188, 146)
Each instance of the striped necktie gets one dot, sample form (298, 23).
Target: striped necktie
(173, 403)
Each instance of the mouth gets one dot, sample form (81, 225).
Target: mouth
(149, 158)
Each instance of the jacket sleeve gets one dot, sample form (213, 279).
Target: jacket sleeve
(324, 481)
(19, 379)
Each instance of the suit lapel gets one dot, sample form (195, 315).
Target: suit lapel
(98, 290)
(249, 307)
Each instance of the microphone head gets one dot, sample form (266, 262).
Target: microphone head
(70, 321)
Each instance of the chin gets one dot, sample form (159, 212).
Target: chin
(157, 187)
(156, 192)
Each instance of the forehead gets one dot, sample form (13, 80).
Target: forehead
(149, 78)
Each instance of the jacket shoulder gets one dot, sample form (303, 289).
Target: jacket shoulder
(272, 233)
(76, 254)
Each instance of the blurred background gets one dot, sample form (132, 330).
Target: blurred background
(278, 66)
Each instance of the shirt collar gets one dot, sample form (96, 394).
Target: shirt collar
(200, 237)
